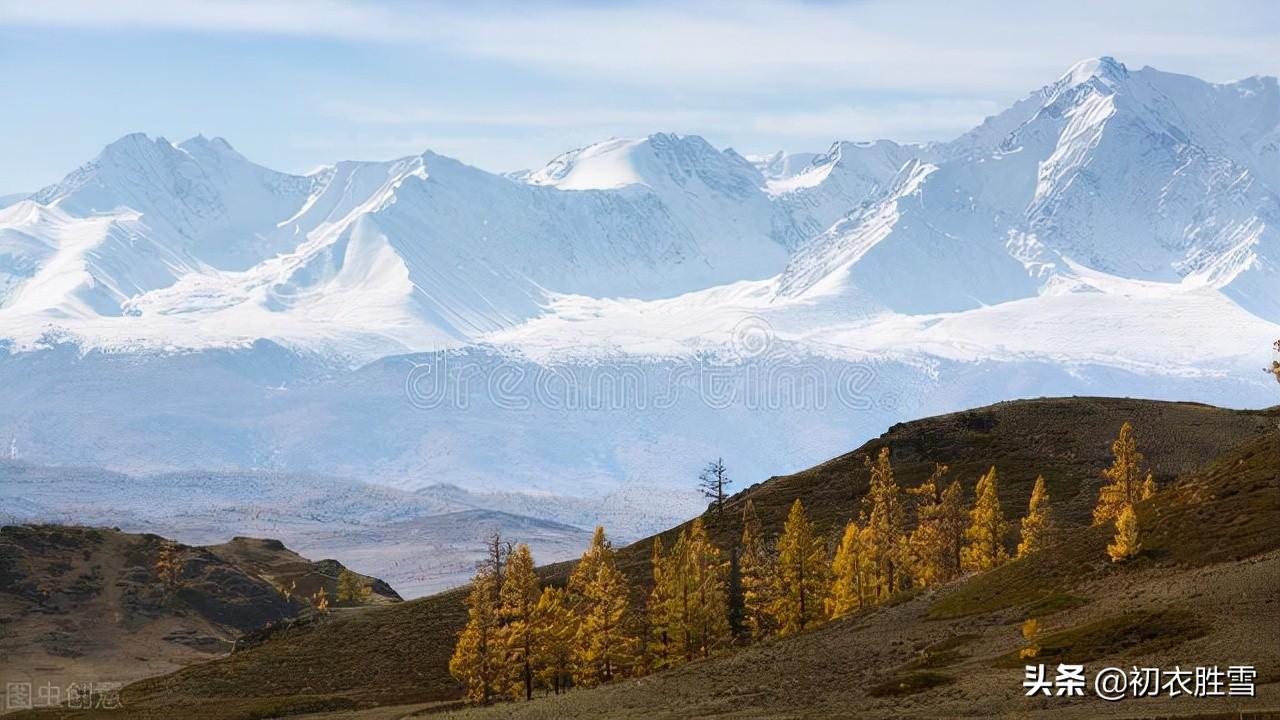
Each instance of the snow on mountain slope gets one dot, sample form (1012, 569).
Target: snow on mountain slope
(1138, 176)
(1144, 175)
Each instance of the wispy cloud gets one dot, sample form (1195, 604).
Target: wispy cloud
(927, 45)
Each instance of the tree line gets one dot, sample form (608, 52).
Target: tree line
(521, 637)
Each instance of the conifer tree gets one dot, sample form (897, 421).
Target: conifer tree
(351, 588)
(1038, 523)
(556, 629)
(1124, 478)
(320, 601)
(706, 576)
(953, 521)
(605, 647)
(931, 545)
(658, 610)
(1125, 545)
(168, 566)
(1031, 635)
(984, 540)
(886, 542)
(517, 605)
(477, 657)
(801, 579)
(847, 570)
(756, 567)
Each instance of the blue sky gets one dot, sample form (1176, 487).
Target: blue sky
(294, 84)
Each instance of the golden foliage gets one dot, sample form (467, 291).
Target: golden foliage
(351, 588)
(1124, 478)
(1038, 524)
(756, 566)
(801, 580)
(476, 661)
(1125, 545)
(984, 540)
(605, 648)
(517, 605)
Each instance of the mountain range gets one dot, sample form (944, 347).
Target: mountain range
(570, 331)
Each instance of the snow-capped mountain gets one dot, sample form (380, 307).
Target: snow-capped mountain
(1114, 232)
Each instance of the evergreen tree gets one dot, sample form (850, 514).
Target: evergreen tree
(477, 657)
(930, 543)
(1037, 526)
(1125, 545)
(801, 580)
(517, 605)
(886, 542)
(320, 601)
(1124, 478)
(605, 647)
(556, 630)
(756, 568)
(351, 588)
(847, 570)
(984, 548)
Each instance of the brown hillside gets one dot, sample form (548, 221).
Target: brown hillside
(399, 654)
(82, 604)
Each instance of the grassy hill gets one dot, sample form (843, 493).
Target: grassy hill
(398, 654)
(81, 604)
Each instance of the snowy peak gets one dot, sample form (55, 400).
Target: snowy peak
(656, 161)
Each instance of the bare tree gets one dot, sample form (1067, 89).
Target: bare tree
(499, 551)
(712, 482)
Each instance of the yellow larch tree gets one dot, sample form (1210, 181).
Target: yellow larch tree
(1125, 479)
(517, 610)
(801, 580)
(1031, 638)
(1037, 526)
(556, 628)
(932, 549)
(984, 540)
(1125, 545)
(657, 611)
(351, 588)
(885, 543)
(847, 570)
(756, 569)
(477, 657)
(605, 646)
(706, 575)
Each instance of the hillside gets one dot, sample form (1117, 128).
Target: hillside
(398, 654)
(84, 603)
(1206, 591)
